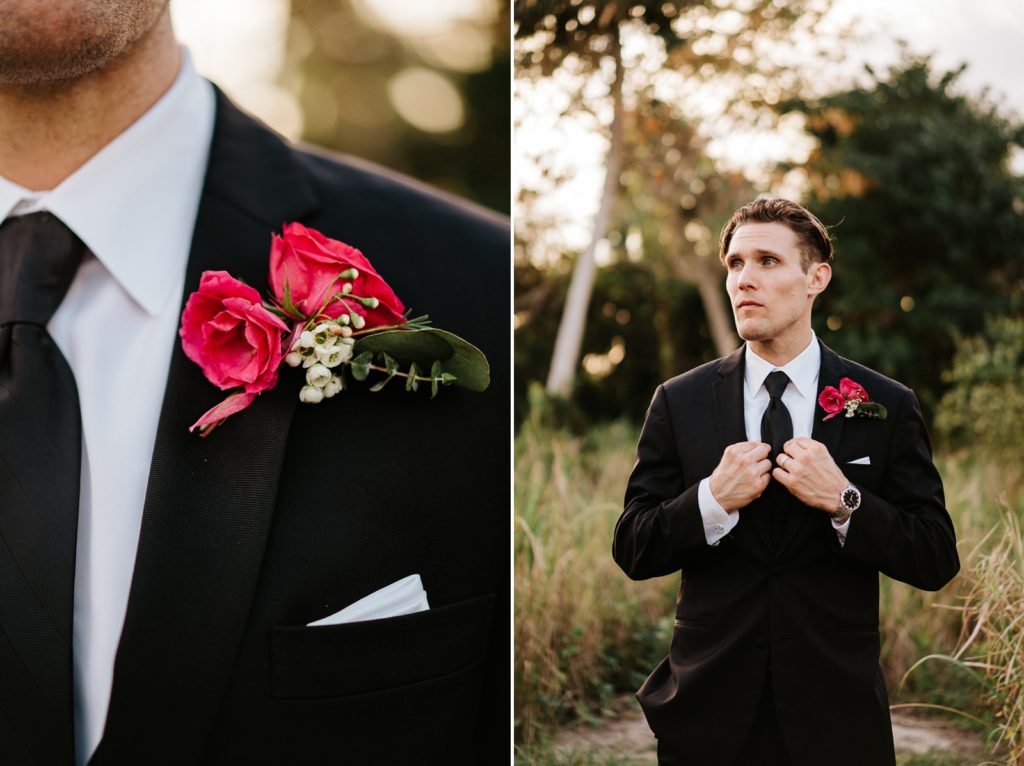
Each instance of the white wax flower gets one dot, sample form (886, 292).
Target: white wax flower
(293, 359)
(306, 340)
(335, 356)
(311, 395)
(333, 386)
(318, 375)
(358, 321)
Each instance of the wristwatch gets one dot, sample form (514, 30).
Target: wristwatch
(849, 501)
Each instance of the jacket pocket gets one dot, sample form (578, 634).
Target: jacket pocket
(333, 661)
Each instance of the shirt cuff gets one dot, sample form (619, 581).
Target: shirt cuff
(718, 522)
(841, 528)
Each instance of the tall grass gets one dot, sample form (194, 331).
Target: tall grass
(584, 632)
(916, 623)
(991, 648)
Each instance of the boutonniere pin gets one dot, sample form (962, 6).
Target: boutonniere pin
(850, 399)
(330, 313)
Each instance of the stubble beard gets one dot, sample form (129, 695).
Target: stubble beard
(46, 44)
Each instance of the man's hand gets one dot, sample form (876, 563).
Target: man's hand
(741, 475)
(808, 471)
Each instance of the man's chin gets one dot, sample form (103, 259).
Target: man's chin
(753, 331)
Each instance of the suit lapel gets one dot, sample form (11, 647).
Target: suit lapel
(209, 501)
(828, 433)
(727, 392)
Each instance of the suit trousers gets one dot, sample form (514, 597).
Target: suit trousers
(763, 746)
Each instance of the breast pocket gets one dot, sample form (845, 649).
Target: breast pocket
(335, 661)
(866, 476)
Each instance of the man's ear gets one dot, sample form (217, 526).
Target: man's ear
(820, 275)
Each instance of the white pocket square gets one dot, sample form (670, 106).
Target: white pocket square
(860, 461)
(405, 596)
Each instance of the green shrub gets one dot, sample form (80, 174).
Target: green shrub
(984, 408)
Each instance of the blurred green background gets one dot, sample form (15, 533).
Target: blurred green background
(640, 127)
(421, 88)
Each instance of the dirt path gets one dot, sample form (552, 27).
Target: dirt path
(629, 738)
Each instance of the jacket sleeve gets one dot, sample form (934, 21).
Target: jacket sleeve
(660, 530)
(904, 531)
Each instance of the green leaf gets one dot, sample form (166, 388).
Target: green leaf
(434, 382)
(873, 410)
(411, 384)
(428, 346)
(361, 365)
(436, 369)
(447, 379)
(392, 369)
(286, 302)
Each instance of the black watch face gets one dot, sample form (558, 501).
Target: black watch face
(851, 498)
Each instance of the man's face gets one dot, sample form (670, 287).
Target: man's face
(770, 292)
(48, 41)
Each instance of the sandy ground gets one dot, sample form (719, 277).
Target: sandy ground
(629, 737)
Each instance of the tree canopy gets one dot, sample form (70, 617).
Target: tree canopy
(916, 179)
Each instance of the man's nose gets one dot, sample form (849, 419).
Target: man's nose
(746, 280)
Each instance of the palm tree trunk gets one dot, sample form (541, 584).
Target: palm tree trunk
(708, 279)
(565, 359)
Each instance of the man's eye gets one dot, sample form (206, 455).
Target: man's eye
(735, 264)
(769, 261)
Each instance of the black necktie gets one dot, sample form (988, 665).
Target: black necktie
(776, 424)
(40, 465)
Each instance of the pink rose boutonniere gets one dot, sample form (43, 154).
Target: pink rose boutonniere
(851, 399)
(331, 314)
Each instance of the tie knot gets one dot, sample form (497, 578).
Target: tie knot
(776, 383)
(39, 256)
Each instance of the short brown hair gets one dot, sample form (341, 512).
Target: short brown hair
(816, 244)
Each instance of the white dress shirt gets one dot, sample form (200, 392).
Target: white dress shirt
(134, 205)
(800, 398)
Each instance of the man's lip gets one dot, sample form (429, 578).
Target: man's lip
(747, 304)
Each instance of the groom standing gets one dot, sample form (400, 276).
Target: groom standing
(780, 509)
(163, 596)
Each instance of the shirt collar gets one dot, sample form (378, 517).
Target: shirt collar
(801, 369)
(134, 202)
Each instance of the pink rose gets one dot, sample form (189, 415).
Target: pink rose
(832, 401)
(853, 390)
(228, 333)
(310, 264)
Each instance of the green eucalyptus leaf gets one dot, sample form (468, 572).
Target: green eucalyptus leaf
(390, 364)
(411, 384)
(427, 347)
(361, 365)
(379, 384)
(873, 410)
(434, 382)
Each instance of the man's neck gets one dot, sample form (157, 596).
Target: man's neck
(47, 133)
(782, 350)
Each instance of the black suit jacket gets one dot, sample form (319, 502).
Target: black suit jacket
(779, 595)
(289, 512)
